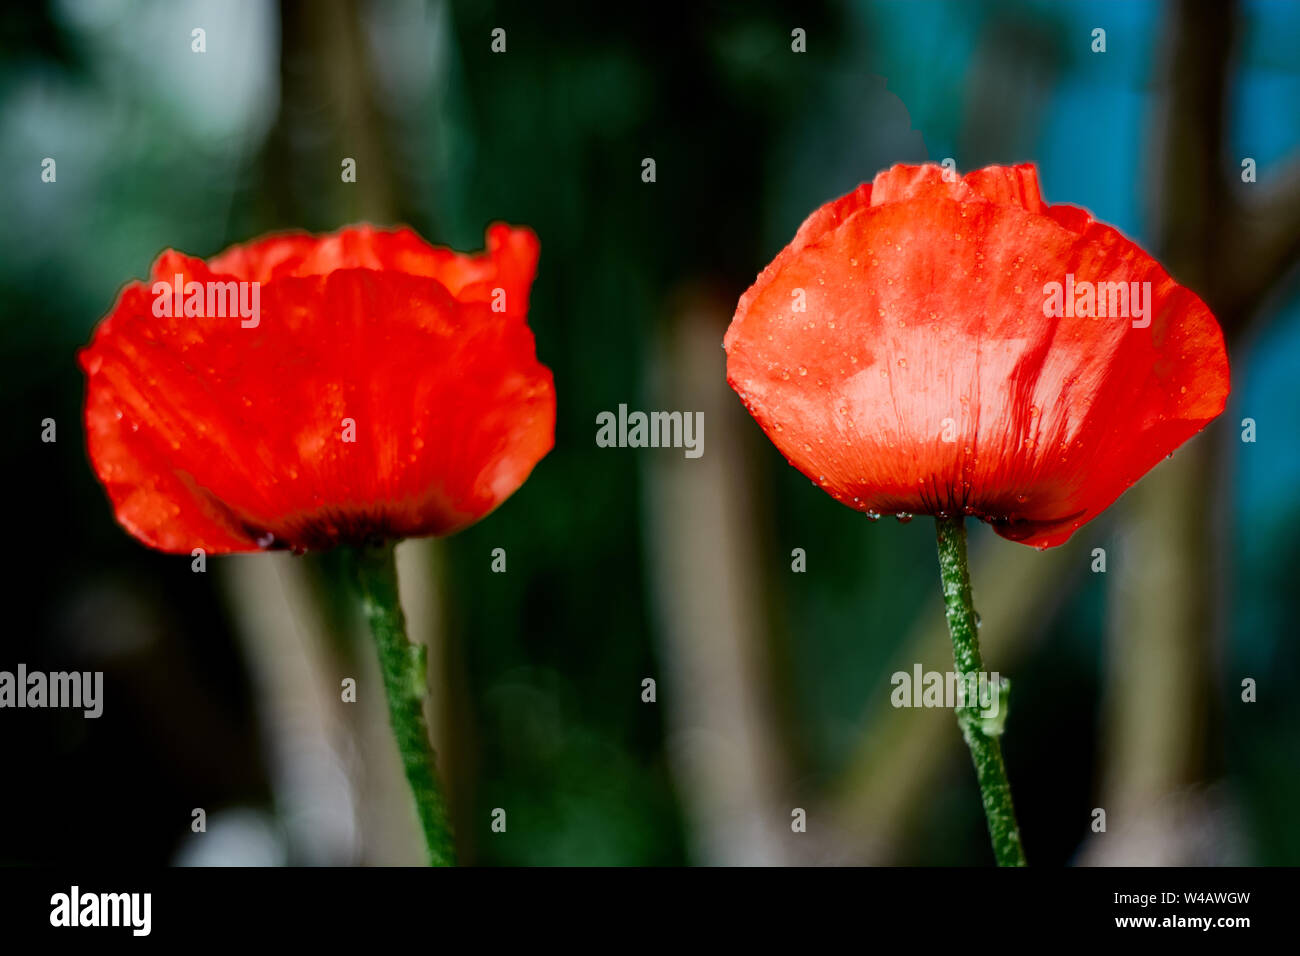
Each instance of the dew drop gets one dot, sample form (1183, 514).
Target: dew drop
(266, 540)
(873, 515)
(903, 517)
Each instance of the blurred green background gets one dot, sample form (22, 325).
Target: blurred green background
(772, 686)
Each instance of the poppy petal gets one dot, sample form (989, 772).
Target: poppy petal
(904, 361)
(365, 402)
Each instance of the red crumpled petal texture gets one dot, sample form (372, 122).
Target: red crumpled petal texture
(924, 319)
(210, 435)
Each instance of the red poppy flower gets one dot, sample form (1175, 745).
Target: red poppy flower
(383, 388)
(947, 346)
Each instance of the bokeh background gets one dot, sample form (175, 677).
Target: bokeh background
(222, 688)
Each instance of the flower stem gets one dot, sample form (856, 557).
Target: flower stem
(981, 734)
(373, 573)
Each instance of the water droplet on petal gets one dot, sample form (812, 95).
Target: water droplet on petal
(873, 515)
(903, 517)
